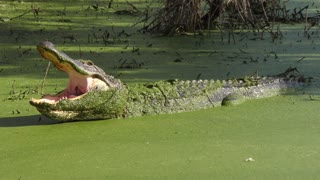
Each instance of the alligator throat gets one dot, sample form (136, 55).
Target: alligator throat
(92, 94)
(74, 90)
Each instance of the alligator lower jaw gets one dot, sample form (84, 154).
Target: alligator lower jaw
(47, 106)
(63, 115)
(54, 99)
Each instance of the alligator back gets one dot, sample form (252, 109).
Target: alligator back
(181, 96)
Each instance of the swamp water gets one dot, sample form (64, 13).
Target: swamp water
(279, 134)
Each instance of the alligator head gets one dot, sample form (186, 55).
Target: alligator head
(84, 78)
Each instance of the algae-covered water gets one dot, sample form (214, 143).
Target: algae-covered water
(274, 138)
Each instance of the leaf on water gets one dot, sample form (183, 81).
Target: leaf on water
(5, 19)
(249, 159)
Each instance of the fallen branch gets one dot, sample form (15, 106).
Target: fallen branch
(34, 10)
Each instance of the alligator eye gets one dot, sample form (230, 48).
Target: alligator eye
(89, 63)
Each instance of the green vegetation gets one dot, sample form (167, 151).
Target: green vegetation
(280, 134)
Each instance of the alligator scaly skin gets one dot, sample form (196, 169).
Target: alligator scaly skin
(183, 96)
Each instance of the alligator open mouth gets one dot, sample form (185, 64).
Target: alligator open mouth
(84, 76)
(77, 87)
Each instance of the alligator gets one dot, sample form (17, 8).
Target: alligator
(92, 94)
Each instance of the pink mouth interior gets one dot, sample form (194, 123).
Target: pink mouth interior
(78, 85)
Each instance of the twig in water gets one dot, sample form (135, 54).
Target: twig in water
(198, 77)
(311, 98)
(13, 88)
(45, 76)
(243, 51)
(301, 59)
(133, 6)
(110, 4)
(80, 52)
(34, 10)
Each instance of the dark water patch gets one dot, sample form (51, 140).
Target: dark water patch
(34, 120)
